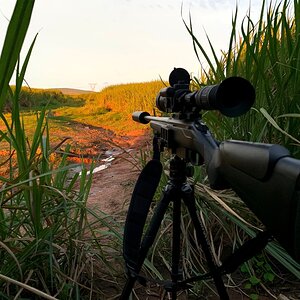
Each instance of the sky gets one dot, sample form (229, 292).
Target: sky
(106, 42)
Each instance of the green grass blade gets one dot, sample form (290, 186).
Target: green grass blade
(197, 44)
(13, 42)
(37, 134)
(220, 69)
(275, 125)
(20, 78)
(230, 53)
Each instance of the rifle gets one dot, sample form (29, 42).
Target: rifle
(265, 176)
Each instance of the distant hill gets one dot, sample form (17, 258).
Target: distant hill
(67, 91)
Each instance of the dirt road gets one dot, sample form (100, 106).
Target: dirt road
(111, 187)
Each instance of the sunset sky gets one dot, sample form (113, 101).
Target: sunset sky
(119, 41)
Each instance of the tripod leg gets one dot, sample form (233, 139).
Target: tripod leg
(189, 200)
(148, 239)
(175, 273)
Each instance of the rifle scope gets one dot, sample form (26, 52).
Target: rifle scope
(233, 97)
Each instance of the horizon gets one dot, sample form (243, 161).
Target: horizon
(119, 41)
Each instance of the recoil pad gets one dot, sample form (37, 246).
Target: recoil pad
(141, 199)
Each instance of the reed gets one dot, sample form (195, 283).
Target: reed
(267, 54)
(48, 243)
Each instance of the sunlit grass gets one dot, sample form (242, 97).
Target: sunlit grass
(110, 108)
(113, 106)
(51, 242)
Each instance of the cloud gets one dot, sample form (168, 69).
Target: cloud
(208, 4)
(165, 4)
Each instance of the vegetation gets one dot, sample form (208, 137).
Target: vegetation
(267, 54)
(110, 108)
(129, 97)
(113, 106)
(52, 245)
(37, 99)
(49, 238)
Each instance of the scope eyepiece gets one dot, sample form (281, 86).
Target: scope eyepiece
(233, 97)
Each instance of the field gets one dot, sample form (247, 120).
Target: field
(53, 245)
(86, 120)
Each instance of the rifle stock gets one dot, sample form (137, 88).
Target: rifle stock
(267, 179)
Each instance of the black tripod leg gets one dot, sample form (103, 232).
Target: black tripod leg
(189, 200)
(128, 287)
(175, 273)
(148, 239)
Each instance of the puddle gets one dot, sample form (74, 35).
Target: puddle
(113, 152)
(106, 163)
(103, 163)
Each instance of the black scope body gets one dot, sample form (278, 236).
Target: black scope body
(233, 97)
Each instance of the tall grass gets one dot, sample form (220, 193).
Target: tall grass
(266, 53)
(112, 107)
(49, 239)
(132, 96)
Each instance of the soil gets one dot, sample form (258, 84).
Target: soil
(111, 188)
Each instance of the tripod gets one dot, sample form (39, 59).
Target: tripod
(175, 191)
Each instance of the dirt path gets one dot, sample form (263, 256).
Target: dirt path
(112, 188)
